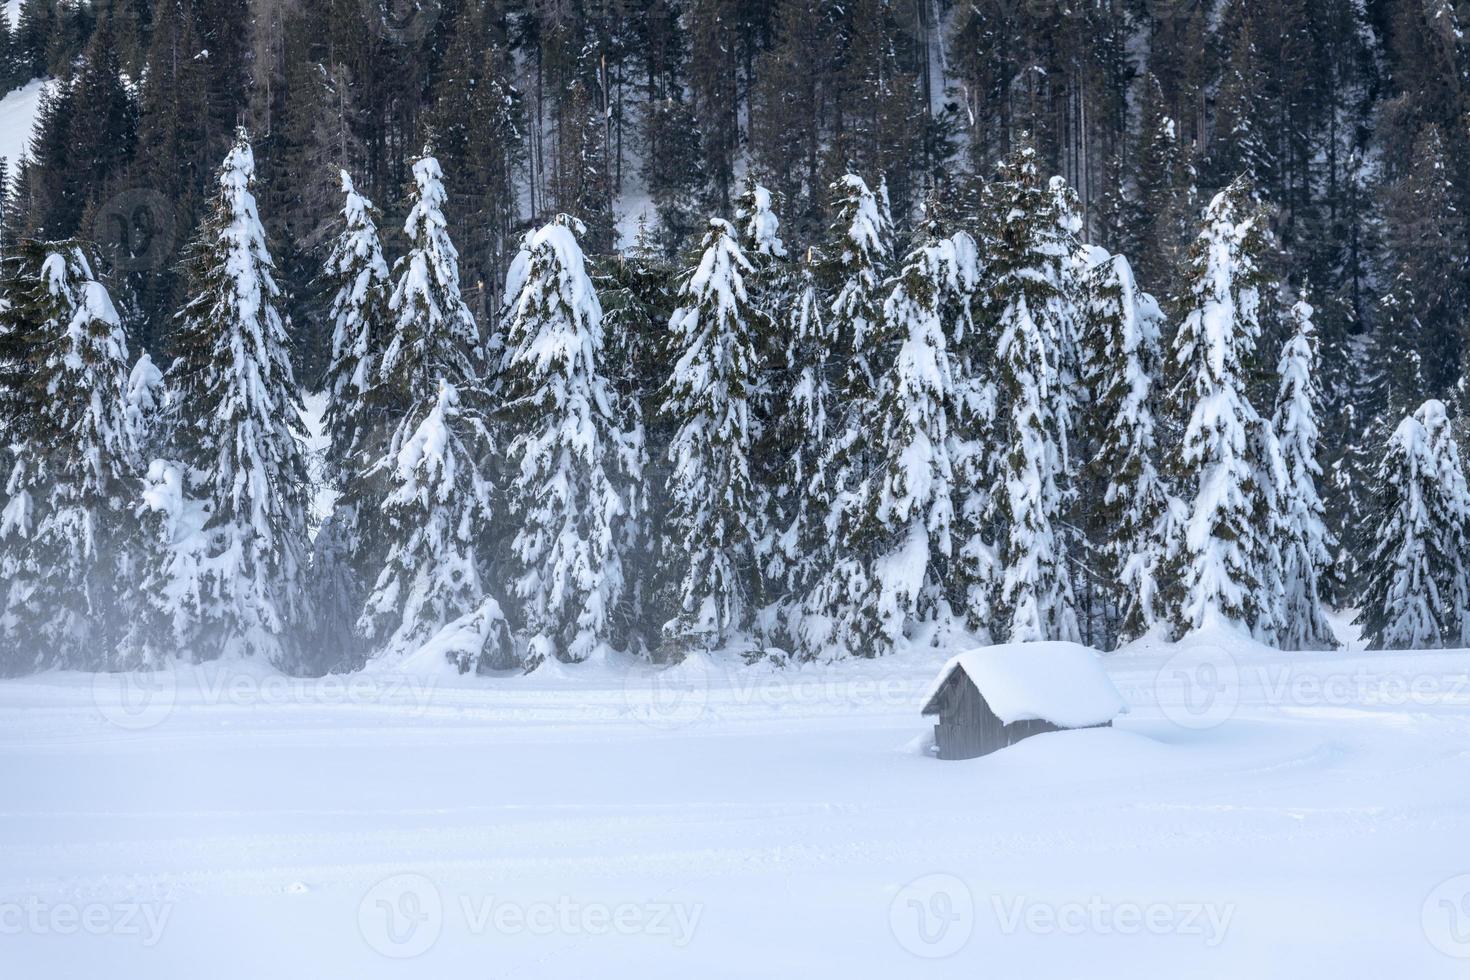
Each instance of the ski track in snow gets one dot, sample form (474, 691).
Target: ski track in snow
(787, 808)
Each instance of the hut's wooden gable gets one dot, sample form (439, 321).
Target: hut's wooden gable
(967, 728)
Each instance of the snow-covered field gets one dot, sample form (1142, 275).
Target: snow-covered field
(1258, 814)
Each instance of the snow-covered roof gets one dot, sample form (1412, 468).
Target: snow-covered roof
(1063, 683)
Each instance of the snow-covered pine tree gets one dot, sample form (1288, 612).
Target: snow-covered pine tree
(1067, 230)
(1454, 589)
(858, 259)
(885, 212)
(349, 549)
(234, 408)
(1386, 386)
(65, 519)
(357, 275)
(171, 570)
(708, 533)
(1028, 293)
(144, 401)
(432, 334)
(1416, 570)
(573, 460)
(1130, 517)
(855, 263)
(798, 439)
(769, 287)
(436, 511)
(897, 522)
(1217, 471)
(975, 572)
(760, 229)
(1267, 558)
(637, 295)
(1307, 546)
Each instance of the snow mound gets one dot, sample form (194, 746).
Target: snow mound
(1062, 683)
(1087, 755)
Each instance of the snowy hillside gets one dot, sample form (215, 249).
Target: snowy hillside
(1257, 814)
(17, 116)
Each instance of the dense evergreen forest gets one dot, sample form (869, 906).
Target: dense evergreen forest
(693, 320)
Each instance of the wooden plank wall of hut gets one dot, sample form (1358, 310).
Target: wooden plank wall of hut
(967, 727)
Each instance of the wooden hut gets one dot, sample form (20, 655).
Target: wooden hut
(992, 697)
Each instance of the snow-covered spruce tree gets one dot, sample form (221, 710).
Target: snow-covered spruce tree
(234, 409)
(1130, 517)
(858, 259)
(171, 568)
(357, 275)
(72, 465)
(855, 264)
(1217, 472)
(349, 549)
(573, 464)
(1267, 557)
(1090, 597)
(1416, 571)
(637, 295)
(1307, 545)
(437, 508)
(432, 335)
(144, 402)
(896, 524)
(770, 288)
(798, 440)
(760, 229)
(1027, 294)
(975, 572)
(436, 498)
(1454, 587)
(1401, 607)
(1066, 211)
(708, 532)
